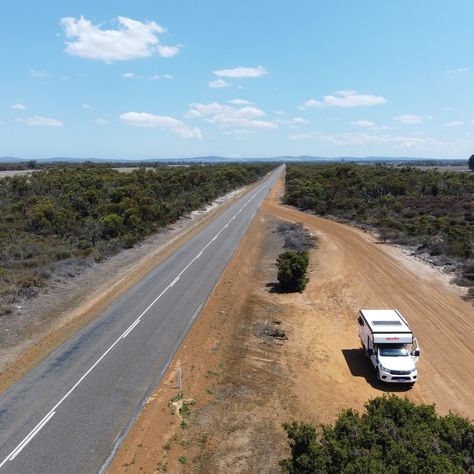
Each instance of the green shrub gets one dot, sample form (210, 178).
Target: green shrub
(293, 270)
(431, 209)
(89, 212)
(129, 240)
(393, 436)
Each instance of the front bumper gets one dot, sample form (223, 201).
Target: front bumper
(387, 376)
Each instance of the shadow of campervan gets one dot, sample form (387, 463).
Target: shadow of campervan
(360, 366)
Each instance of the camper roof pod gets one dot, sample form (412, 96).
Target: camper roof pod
(386, 321)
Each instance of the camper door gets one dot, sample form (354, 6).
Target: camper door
(415, 351)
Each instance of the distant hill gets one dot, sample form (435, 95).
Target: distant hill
(10, 159)
(220, 159)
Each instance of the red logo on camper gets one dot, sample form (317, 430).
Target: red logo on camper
(392, 338)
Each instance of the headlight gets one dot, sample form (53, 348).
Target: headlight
(413, 370)
(383, 369)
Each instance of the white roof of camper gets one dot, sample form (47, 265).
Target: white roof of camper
(385, 320)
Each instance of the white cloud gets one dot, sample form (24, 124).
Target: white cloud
(153, 77)
(219, 84)
(167, 51)
(453, 123)
(240, 102)
(363, 123)
(146, 120)
(18, 106)
(240, 72)
(300, 120)
(101, 121)
(279, 112)
(131, 75)
(293, 122)
(39, 121)
(458, 70)
(409, 119)
(225, 116)
(132, 40)
(86, 106)
(239, 133)
(348, 98)
(372, 126)
(38, 74)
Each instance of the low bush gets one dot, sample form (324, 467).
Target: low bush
(293, 270)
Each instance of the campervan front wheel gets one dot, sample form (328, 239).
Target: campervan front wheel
(379, 378)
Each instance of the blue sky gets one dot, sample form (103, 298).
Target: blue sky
(170, 79)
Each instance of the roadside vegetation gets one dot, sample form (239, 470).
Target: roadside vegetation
(293, 270)
(292, 264)
(393, 436)
(62, 218)
(428, 210)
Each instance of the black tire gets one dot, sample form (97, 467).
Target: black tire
(379, 379)
(366, 352)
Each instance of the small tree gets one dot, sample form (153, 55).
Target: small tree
(292, 270)
(394, 435)
(471, 163)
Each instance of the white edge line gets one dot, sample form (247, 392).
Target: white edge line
(28, 438)
(130, 329)
(174, 281)
(45, 420)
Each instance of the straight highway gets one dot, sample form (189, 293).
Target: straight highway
(70, 413)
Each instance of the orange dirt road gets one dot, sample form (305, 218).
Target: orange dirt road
(354, 271)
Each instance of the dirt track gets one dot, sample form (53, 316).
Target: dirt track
(245, 384)
(353, 271)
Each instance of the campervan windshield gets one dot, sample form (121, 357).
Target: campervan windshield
(393, 350)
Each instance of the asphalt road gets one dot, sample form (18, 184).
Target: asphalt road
(70, 413)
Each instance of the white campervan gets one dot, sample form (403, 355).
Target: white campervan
(389, 344)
